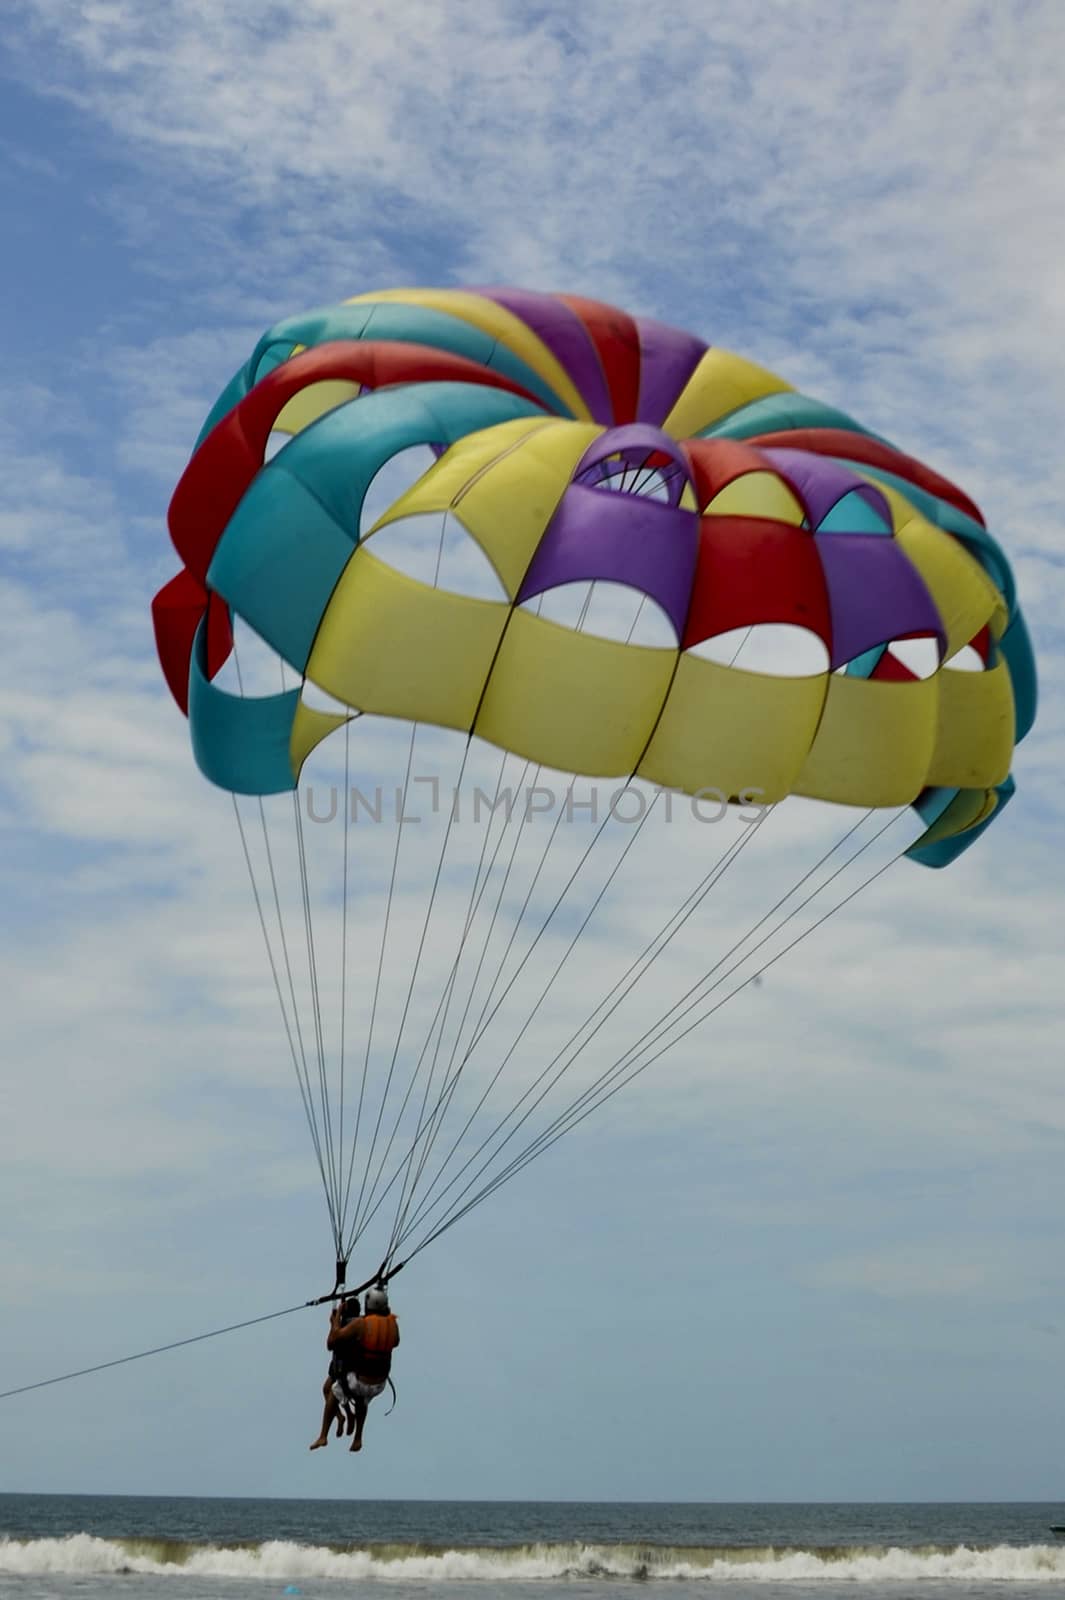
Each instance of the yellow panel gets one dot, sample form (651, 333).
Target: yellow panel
(874, 744)
(503, 498)
(975, 731)
(390, 644)
(309, 728)
(757, 494)
(447, 479)
(967, 810)
(730, 730)
(313, 402)
(964, 595)
(571, 701)
(720, 384)
(501, 324)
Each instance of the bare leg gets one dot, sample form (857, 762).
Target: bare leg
(329, 1412)
(360, 1419)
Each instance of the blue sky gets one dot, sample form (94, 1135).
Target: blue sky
(845, 1199)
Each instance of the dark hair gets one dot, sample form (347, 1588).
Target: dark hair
(349, 1307)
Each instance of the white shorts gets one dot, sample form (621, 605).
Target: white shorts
(355, 1389)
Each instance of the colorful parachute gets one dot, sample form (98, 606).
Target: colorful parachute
(544, 411)
(576, 445)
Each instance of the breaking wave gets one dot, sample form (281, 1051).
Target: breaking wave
(85, 1555)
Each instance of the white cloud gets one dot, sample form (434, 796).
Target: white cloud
(877, 218)
(922, 1272)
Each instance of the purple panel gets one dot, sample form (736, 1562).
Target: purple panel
(636, 442)
(820, 482)
(874, 594)
(601, 535)
(565, 335)
(668, 358)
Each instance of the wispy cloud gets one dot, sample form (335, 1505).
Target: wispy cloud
(875, 213)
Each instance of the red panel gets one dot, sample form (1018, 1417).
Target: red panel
(177, 611)
(617, 345)
(859, 447)
(215, 479)
(715, 463)
(753, 570)
(889, 669)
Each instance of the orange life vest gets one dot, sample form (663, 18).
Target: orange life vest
(379, 1335)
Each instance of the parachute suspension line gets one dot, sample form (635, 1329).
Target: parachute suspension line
(519, 920)
(304, 1096)
(480, 884)
(568, 1115)
(333, 1191)
(306, 1072)
(316, 1004)
(299, 1061)
(344, 958)
(452, 1074)
(543, 1142)
(439, 1016)
(432, 1127)
(382, 951)
(739, 647)
(403, 1229)
(357, 1225)
(618, 1082)
(691, 998)
(658, 1029)
(428, 1128)
(607, 1006)
(419, 1132)
(544, 991)
(481, 1026)
(443, 1006)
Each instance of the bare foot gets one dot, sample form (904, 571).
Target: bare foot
(356, 1443)
(321, 1442)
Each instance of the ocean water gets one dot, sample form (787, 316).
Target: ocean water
(91, 1546)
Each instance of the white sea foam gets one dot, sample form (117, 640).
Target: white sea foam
(85, 1555)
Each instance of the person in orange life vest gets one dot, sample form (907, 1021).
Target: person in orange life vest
(372, 1338)
(339, 1407)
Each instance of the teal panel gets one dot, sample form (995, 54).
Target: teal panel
(308, 328)
(981, 545)
(284, 548)
(1016, 646)
(776, 412)
(279, 560)
(406, 324)
(241, 745)
(931, 804)
(854, 514)
(944, 851)
(339, 455)
(231, 395)
(864, 666)
(423, 325)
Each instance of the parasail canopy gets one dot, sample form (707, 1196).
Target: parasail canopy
(834, 620)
